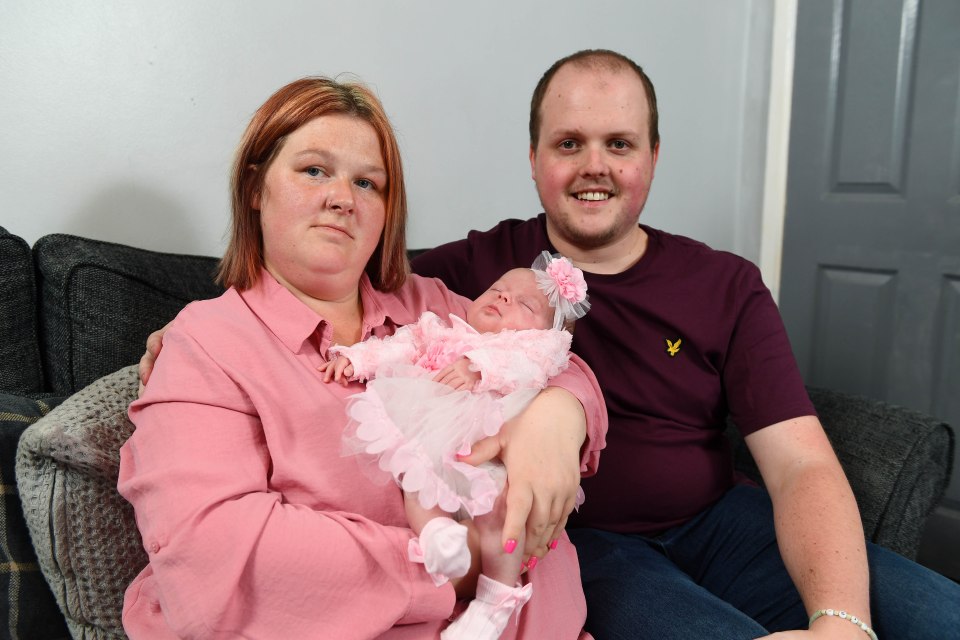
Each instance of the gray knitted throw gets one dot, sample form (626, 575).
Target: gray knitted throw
(84, 532)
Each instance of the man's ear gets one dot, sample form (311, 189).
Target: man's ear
(533, 161)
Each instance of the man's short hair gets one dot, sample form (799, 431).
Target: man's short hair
(600, 59)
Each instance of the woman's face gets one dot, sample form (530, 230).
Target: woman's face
(512, 302)
(322, 207)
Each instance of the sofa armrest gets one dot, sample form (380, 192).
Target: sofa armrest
(84, 532)
(898, 462)
(21, 371)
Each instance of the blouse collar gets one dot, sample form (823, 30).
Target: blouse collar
(293, 322)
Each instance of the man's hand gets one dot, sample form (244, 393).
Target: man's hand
(541, 450)
(835, 629)
(458, 375)
(154, 344)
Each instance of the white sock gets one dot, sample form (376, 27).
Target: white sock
(442, 548)
(488, 614)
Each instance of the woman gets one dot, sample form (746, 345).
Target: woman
(254, 525)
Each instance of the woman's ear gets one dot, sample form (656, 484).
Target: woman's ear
(255, 196)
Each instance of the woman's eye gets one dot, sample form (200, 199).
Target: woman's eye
(363, 183)
(313, 172)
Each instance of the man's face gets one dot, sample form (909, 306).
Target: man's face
(593, 164)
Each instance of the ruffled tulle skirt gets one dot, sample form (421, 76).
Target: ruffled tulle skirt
(413, 428)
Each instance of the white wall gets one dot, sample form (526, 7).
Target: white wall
(119, 117)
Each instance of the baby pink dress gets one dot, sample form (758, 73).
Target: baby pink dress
(414, 427)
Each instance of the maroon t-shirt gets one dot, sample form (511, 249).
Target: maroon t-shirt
(680, 340)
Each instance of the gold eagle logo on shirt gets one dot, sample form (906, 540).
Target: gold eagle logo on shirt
(673, 347)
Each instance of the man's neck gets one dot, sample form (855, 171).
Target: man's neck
(608, 259)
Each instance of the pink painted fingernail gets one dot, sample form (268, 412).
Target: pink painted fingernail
(531, 563)
(510, 546)
(553, 545)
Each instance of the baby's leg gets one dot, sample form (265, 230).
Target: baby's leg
(442, 543)
(496, 563)
(499, 590)
(417, 515)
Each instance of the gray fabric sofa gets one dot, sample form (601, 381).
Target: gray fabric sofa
(74, 315)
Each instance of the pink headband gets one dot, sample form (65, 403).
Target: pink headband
(564, 286)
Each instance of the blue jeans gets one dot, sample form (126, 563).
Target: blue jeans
(720, 576)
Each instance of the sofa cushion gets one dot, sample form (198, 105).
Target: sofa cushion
(84, 532)
(20, 368)
(27, 607)
(101, 300)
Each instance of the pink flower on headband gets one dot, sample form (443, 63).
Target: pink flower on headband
(570, 283)
(564, 286)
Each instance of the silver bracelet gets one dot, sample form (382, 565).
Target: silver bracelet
(846, 616)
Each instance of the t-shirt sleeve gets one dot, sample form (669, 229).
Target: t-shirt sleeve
(761, 378)
(454, 264)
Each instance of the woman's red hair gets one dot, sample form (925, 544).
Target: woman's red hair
(283, 113)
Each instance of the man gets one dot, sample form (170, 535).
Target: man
(679, 336)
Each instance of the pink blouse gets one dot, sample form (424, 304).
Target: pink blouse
(255, 525)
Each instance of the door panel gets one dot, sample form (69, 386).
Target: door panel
(870, 289)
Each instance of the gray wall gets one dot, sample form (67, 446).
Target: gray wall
(120, 117)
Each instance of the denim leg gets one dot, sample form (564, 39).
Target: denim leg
(910, 601)
(635, 593)
(731, 550)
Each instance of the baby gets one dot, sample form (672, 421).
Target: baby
(435, 390)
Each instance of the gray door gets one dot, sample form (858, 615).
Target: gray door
(871, 260)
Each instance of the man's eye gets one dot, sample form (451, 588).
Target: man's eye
(568, 144)
(313, 172)
(619, 144)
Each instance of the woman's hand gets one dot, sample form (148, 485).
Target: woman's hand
(154, 344)
(541, 450)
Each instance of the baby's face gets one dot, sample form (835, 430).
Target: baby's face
(512, 302)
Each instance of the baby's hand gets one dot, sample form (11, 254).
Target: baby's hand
(458, 376)
(338, 370)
